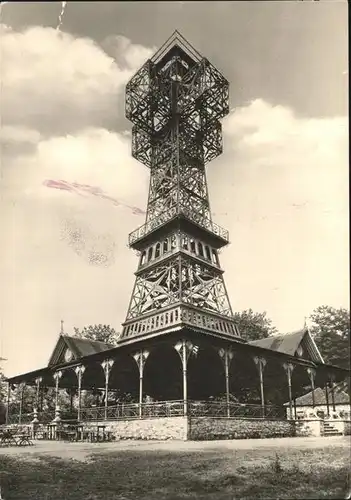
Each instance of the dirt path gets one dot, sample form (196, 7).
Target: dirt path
(81, 451)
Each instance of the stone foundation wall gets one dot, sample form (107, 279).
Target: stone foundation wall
(204, 428)
(309, 428)
(342, 426)
(151, 428)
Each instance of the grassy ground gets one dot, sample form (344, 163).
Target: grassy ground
(219, 473)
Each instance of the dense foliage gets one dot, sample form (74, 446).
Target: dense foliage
(331, 331)
(103, 333)
(2, 398)
(253, 325)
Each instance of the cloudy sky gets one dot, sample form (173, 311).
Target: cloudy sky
(280, 187)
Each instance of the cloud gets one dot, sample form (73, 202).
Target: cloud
(56, 83)
(283, 183)
(59, 93)
(94, 157)
(304, 160)
(16, 140)
(127, 54)
(267, 133)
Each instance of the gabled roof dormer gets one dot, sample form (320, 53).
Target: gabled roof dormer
(299, 344)
(69, 349)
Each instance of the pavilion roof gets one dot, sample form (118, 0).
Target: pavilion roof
(80, 348)
(84, 349)
(289, 343)
(340, 397)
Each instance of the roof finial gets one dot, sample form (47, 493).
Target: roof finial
(62, 326)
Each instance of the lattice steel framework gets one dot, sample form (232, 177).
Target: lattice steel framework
(175, 102)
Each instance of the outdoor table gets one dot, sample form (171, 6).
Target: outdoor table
(79, 432)
(7, 436)
(52, 431)
(13, 437)
(66, 435)
(40, 433)
(94, 433)
(102, 428)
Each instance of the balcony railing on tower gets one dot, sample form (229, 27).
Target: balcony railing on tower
(171, 213)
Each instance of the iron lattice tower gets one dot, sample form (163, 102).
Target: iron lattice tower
(175, 102)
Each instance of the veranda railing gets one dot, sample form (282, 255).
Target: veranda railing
(133, 410)
(126, 411)
(233, 410)
(176, 408)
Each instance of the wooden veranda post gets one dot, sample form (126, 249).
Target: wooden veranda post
(140, 359)
(8, 403)
(332, 387)
(312, 374)
(37, 394)
(79, 372)
(289, 367)
(184, 349)
(327, 398)
(261, 363)
(226, 356)
(22, 388)
(106, 366)
(57, 375)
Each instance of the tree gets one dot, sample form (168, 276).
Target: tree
(103, 333)
(2, 386)
(331, 331)
(254, 326)
(2, 397)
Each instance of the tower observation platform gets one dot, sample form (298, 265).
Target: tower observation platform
(175, 102)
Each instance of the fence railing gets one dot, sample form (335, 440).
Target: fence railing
(233, 410)
(176, 408)
(133, 410)
(127, 411)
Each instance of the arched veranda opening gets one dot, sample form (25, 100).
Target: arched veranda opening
(244, 383)
(206, 376)
(162, 378)
(123, 380)
(276, 388)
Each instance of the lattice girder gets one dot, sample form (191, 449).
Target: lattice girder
(180, 279)
(182, 185)
(142, 147)
(149, 95)
(206, 82)
(139, 93)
